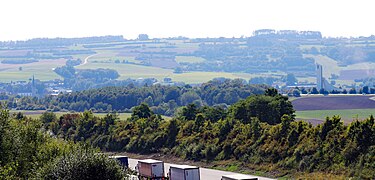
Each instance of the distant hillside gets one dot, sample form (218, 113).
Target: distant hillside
(265, 53)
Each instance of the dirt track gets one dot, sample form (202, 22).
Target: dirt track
(87, 59)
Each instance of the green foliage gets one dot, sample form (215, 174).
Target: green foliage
(163, 99)
(82, 164)
(290, 80)
(296, 93)
(189, 97)
(267, 108)
(352, 91)
(29, 152)
(189, 112)
(286, 145)
(24, 147)
(5, 133)
(271, 92)
(315, 91)
(48, 117)
(141, 111)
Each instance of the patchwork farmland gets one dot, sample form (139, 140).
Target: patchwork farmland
(315, 109)
(196, 60)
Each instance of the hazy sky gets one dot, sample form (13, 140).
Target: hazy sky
(24, 19)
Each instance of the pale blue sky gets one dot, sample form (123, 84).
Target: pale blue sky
(24, 19)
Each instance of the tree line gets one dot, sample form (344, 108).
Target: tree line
(162, 99)
(259, 132)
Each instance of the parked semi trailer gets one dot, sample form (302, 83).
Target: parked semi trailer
(238, 177)
(150, 169)
(184, 172)
(122, 159)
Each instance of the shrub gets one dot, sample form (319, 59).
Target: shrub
(82, 164)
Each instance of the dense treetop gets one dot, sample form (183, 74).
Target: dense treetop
(162, 99)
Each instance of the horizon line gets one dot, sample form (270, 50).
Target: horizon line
(178, 36)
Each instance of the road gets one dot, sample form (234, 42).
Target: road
(87, 59)
(206, 174)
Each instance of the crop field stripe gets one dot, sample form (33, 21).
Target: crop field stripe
(346, 115)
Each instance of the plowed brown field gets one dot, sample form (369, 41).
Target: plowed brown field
(333, 102)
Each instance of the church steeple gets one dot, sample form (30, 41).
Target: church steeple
(33, 88)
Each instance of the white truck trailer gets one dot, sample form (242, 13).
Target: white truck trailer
(184, 172)
(150, 169)
(238, 177)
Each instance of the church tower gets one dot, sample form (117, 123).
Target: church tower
(33, 87)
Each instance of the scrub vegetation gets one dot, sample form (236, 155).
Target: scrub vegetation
(259, 133)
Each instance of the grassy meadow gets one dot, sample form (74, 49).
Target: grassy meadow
(42, 70)
(189, 59)
(330, 66)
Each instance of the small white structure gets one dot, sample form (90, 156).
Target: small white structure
(238, 177)
(150, 168)
(184, 172)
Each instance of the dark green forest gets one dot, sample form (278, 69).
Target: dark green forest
(162, 99)
(258, 133)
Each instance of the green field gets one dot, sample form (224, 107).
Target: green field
(45, 71)
(305, 47)
(330, 65)
(364, 65)
(140, 71)
(110, 56)
(131, 70)
(26, 75)
(347, 115)
(42, 70)
(37, 114)
(189, 59)
(201, 77)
